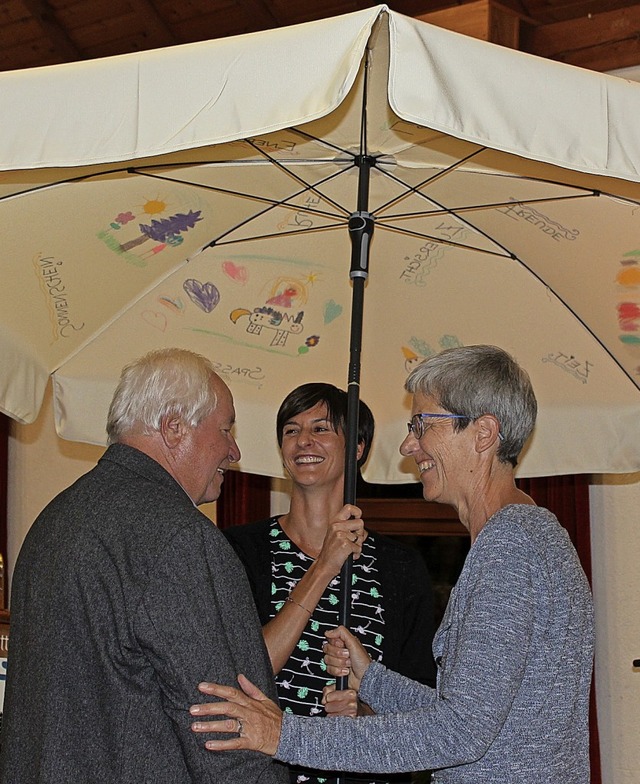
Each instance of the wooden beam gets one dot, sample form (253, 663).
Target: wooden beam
(263, 14)
(608, 57)
(63, 48)
(470, 19)
(158, 31)
(601, 42)
(504, 26)
(483, 19)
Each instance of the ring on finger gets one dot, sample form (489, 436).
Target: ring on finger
(240, 726)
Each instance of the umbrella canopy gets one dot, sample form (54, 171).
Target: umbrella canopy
(200, 196)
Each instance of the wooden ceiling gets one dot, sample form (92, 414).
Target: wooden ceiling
(599, 34)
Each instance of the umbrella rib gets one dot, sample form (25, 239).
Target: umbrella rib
(254, 197)
(307, 186)
(147, 171)
(330, 145)
(58, 183)
(456, 213)
(471, 226)
(491, 206)
(235, 162)
(416, 188)
(274, 235)
(441, 241)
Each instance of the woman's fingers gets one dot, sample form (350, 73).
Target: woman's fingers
(345, 536)
(356, 661)
(336, 658)
(339, 703)
(242, 697)
(349, 512)
(255, 720)
(250, 689)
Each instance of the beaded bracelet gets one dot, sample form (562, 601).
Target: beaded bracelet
(293, 601)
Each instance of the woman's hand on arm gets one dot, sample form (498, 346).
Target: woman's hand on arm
(254, 719)
(344, 537)
(344, 654)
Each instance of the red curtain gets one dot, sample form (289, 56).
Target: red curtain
(568, 498)
(245, 498)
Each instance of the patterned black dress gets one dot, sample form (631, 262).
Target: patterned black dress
(303, 677)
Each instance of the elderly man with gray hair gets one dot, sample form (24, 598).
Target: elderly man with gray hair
(125, 596)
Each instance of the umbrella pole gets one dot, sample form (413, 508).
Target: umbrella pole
(360, 231)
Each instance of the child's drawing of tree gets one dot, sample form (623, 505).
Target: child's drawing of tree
(163, 230)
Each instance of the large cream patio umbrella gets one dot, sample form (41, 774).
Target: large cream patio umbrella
(201, 196)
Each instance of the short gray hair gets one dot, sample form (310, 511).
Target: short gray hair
(170, 381)
(474, 380)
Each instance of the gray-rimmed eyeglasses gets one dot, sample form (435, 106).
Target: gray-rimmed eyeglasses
(420, 422)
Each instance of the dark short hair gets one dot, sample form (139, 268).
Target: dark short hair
(307, 396)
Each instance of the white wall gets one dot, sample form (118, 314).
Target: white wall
(41, 464)
(615, 541)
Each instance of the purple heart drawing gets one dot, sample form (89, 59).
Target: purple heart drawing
(205, 295)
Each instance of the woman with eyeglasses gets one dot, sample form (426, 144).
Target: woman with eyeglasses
(293, 562)
(515, 647)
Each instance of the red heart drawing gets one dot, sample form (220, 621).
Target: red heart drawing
(235, 272)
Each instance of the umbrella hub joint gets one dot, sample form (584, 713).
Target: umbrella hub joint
(364, 161)
(361, 225)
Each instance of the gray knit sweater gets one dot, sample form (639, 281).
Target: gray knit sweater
(515, 653)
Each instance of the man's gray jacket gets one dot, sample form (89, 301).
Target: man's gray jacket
(124, 598)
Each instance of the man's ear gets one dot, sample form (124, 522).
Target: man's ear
(487, 432)
(172, 430)
(360, 450)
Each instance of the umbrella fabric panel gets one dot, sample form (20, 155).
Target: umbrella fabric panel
(180, 97)
(22, 381)
(586, 123)
(435, 300)
(581, 244)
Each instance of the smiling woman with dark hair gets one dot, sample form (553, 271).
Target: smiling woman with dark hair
(293, 562)
(515, 646)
